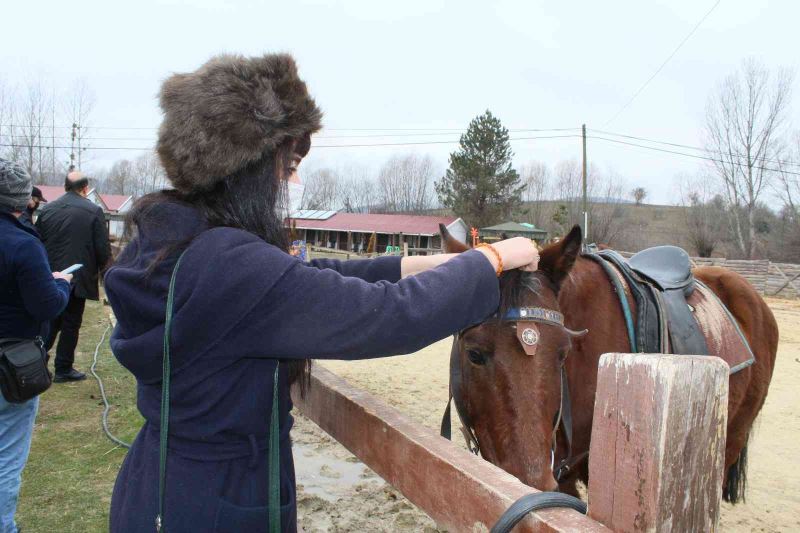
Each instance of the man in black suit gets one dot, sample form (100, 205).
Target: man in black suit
(74, 231)
(37, 198)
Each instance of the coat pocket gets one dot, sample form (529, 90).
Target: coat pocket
(232, 518)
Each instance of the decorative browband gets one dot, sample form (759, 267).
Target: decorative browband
(534, 314)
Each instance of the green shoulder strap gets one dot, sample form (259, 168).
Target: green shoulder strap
(274, 446)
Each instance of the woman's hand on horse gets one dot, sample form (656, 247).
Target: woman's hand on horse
(518, 252)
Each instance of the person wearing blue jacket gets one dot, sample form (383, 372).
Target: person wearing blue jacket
(30, 296)
(233, 132)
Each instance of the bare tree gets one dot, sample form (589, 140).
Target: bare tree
(639, 194)
(405, 184)
(357, 190)
(28, 133)
(704, 215)
(149, 173)
(745, 121)
(606, 216)
(788, 185)
(321, 189)
(537, 178)
(119, 179)
(135, 177)
(605, 189)
(5, 118)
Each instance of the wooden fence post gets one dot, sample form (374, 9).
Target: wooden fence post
(658, 442)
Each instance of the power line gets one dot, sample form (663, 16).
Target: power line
(637, 93)
(436, 142)
(47, 146)
(695, 156)
(314, 146)
(678, 145)
(426, 132)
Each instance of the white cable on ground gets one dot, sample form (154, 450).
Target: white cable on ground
(103, 394)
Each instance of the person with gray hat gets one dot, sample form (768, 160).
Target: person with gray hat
(32, 295)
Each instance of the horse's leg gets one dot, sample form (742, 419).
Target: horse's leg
(748, 387)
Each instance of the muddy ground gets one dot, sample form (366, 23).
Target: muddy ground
(337, 493)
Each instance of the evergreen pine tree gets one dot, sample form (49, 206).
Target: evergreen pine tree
(481, 186)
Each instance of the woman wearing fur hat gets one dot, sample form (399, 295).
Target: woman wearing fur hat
(245, 315)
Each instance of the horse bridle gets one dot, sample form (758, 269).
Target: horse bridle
(563, 417)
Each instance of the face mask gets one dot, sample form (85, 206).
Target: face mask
(295, 195)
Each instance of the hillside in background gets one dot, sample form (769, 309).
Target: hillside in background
(630, 227)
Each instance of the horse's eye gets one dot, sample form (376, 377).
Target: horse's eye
(477, 357)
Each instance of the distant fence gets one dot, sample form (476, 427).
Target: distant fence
(781, 280)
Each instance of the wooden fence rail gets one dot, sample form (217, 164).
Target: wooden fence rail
(655, 465)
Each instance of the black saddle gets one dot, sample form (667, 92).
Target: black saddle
(660, 279)
(666, 266)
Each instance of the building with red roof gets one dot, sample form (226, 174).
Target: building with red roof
(352, 231)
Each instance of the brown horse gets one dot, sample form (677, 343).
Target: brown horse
(511, 399)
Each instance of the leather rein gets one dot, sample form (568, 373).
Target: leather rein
(563, 418)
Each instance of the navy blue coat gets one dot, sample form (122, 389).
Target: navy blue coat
(29, 296)
(241, 306)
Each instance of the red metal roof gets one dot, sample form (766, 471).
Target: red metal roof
(112, 202)
(51, 192)
(368, 223)
(115, 201)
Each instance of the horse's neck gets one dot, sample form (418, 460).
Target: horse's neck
(588, 301)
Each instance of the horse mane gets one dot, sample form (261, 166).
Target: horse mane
(513, 285)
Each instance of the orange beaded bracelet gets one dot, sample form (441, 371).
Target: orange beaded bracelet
(496, 254)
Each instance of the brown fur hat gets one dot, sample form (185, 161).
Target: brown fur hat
(229, 113)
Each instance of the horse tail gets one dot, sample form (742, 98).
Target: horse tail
(734, 489)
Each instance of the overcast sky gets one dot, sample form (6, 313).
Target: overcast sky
(421, 65)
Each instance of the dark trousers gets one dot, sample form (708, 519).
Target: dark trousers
(69, 324)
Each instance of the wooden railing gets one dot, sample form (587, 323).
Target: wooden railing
(656, 460)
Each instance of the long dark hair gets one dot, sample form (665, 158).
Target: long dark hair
(252, 199)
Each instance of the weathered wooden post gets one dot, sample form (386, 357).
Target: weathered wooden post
(658, 442)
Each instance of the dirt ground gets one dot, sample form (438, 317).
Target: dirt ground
(337, 493)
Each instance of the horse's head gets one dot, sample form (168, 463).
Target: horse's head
(506, 372)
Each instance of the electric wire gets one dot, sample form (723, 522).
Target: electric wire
(695, 156)
(365, 145)
(107, 405)
(678, 145)
(645, 84)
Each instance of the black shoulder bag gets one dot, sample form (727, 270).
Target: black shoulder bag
(274, 505)
(23, 369)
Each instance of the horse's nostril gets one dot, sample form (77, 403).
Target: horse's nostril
(550, 485)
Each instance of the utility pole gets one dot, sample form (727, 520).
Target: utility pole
(53, 138)
(72, 149)
(585, 198)
(79, 147)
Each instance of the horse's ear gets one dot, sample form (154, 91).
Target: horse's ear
(450, 244)
(558, 259)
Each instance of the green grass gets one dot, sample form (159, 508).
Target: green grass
(67, 483)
